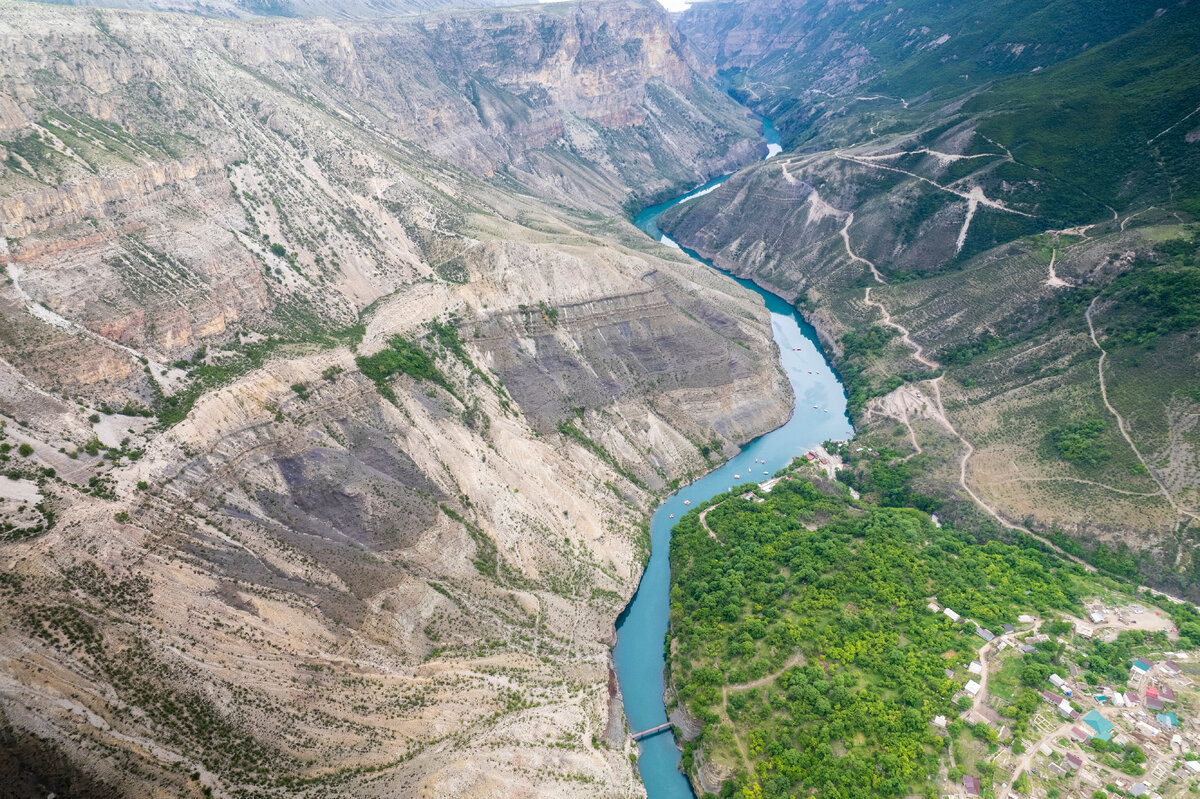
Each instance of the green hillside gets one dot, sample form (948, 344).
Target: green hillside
(804, 640)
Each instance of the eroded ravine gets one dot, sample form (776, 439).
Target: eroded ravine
(819, 414)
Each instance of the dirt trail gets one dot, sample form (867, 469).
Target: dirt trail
(918, 350)
(733, 728)
(704, 521)
(846, 239)
(975, 193)
(795, 660)
(1177, 124)
(1113, 489)
(1025, 762)
(1054, 280)
(1121, 421)
(968, 447)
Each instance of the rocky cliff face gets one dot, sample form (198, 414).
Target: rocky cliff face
(342, 439)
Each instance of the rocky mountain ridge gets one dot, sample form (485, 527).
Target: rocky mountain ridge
(326, 473)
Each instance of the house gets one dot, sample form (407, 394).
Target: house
(1027, 649)
(1168, 720)
(1073, 762)
(1008, 628)
(1084, 631)
(1151, 691)
(1057, 682)
(1097, 618)
(1119, 700)
(1132, 698)
(939, 722)
(1065, 708)
(984, 634)
(1101, 725)
(976, 667)
(1052, 697)
(1139, 789)
(1025, 618)
(949, 674)
(1166, 694)
(1146, 729)
(1172, 668)
(1142, 665)
(1057, 770)
(1153, 703)
(1078, 734)
(972, 687)
(971, 785)
(934, 607)
(954, 617)
(1192, 766)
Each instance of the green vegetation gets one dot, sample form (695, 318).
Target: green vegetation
(204, 377)
(881, 477)
(833, 623)
(567, 428)
(1156, 298)
(1105, 108)
(860, 348)
(1080, 443)
(401, 356)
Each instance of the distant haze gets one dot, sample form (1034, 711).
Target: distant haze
(669, 5)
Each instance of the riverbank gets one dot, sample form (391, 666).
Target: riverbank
(819, 414)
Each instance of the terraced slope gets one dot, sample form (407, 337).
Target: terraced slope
(933, 229)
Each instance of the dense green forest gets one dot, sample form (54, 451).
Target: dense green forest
(803, 642)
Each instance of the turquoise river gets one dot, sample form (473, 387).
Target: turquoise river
(819, 414)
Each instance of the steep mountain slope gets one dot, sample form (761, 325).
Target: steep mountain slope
(341, 9)
(325, 473)
(977, 233)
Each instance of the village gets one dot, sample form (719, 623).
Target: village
(1139, 738)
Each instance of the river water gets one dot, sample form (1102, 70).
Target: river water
(819, 414)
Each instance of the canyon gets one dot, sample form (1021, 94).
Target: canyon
(337, 389)
(248, 554)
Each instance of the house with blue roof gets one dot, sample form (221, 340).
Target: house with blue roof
(1101, 725)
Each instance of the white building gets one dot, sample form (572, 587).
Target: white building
(954, 617)
(972, 687)
(976, 667)
(1056, 681)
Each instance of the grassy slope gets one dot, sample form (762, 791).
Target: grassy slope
(1094, 121)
